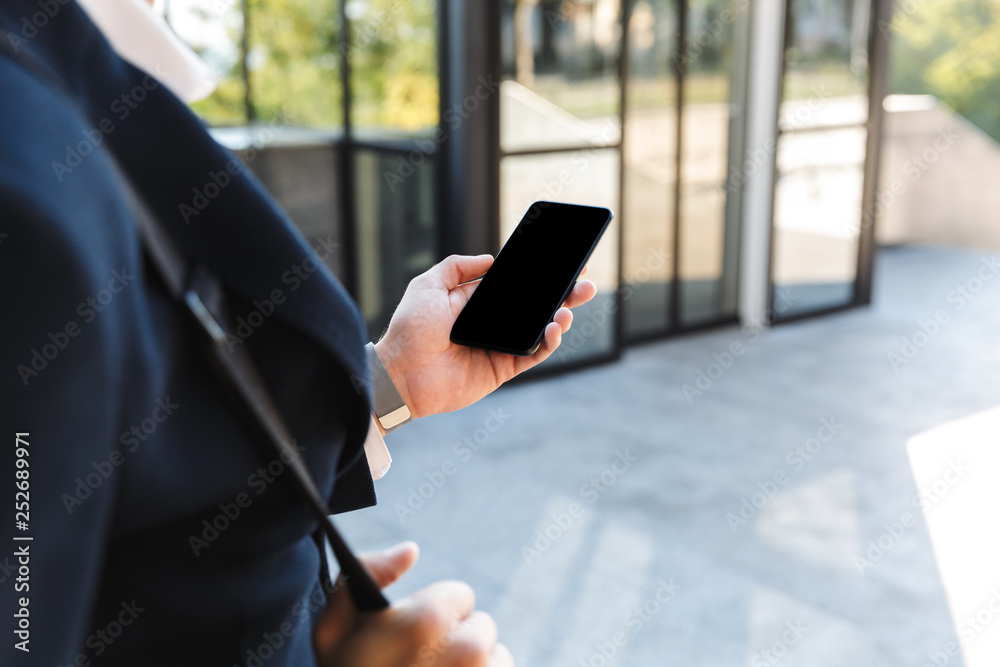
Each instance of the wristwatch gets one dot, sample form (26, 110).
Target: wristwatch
(390, 409)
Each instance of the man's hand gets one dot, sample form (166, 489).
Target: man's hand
(434, 627)
(433, 374)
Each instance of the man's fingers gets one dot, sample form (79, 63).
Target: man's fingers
(436, 608)
(564, 318)
(501, 657)
(470, 641)
(457, 269)
(550, 341)
(387, 566)
(582, 292)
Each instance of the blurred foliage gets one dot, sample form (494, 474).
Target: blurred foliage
(393, 55)
(951, 49)
(294, 65)
(294, 62)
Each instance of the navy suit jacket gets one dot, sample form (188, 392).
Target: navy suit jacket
(162, 532)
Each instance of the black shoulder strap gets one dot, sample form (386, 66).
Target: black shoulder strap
(202, 296)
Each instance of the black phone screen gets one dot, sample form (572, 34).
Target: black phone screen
(531, 277)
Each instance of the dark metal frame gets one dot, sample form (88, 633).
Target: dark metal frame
(675, 323)
(618, 340)
(878, 53)
(348, 146)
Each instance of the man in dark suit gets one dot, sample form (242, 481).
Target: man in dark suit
(159, 534)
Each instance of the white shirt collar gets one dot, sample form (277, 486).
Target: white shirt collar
(142, 37)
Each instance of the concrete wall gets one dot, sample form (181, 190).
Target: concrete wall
(939, 178)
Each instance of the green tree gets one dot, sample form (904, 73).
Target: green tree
(294, 56)
(393, 53)
(951, 49)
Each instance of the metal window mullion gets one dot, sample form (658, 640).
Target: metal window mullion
(674, 294)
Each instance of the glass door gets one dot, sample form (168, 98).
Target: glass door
(561, 138)
(822, 148)
(685, 97)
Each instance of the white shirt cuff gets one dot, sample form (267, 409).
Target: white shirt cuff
(379, 459)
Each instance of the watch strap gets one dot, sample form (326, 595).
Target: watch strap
(389, 407)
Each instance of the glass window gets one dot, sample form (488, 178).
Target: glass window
(395, 230)
(817, 211)
(587, 176)
(650, 164)
(827, 50)
(560, 73)
(214, 31)
(394, 66)
(708, 225)
(276, 61)
(821, 156)
(292, 60)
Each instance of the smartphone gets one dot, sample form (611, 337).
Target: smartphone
(531, 277)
